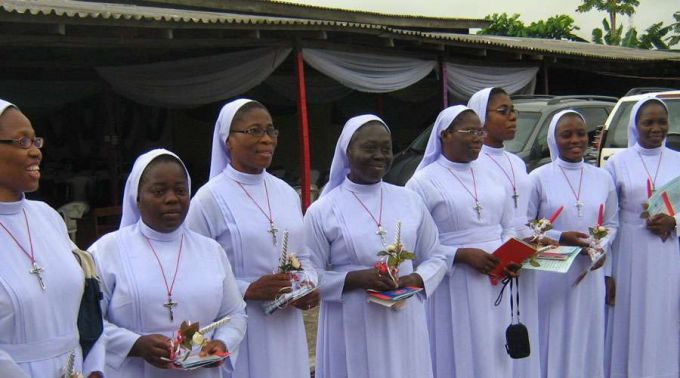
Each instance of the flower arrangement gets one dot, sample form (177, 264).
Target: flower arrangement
(595, 250)
(539, 227)
(190, 335)
(392, 256)
(288, 262)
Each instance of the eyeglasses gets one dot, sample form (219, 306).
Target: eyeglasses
(473, 132)
(504, 110)
(25, 142)
(258, 132)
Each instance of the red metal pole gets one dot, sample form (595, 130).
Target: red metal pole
(305, 167)
(445, 85)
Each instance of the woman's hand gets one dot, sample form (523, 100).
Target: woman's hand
(151, 348)
(213, 347)
(368, 279)
(412, 280)
(574, 238)
(661, 225)
(307, 302)
(268, 287)
(544, 241)
(512, 270)
(478, 259)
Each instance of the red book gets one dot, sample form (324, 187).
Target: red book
(512, 251)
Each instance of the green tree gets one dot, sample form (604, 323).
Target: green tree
(502, 24)
(612, 31)
(555, 27)
(675, 39)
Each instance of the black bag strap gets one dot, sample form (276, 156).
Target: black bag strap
(508, 281)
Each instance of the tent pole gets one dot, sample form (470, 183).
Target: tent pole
(305, 167)
(444, 82)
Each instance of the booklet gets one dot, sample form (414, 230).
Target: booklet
(512, 251)
(557, 260)
(665, 199)
(392, 298)
(194, 361)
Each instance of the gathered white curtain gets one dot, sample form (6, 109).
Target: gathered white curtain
(463, 80)
(368, 72)
(194, 81)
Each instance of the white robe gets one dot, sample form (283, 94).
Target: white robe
(512, 170)
(571, 318)
(275, 345)
(38, 328)
(356, 338)
(467, 332)
(134, 294)
(644, 325)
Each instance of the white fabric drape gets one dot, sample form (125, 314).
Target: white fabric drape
(368, 72)
(195, 81)
(463, 81)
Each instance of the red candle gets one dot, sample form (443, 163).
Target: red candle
(669, 205)
(649, 188)
(600, 215)
(556, 214)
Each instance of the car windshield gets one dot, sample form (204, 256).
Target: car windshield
(617, 133)
(526, 123)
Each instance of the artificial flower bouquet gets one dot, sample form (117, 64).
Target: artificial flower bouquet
(539, 227)
(389, 260)
(301, 285)
(187, 344)
(594, 249)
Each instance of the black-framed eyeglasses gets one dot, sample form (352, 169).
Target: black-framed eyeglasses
(504, 110)
(258, 132)
(472, 132)
(25, 142)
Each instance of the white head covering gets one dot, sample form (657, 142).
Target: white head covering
(434, 144)
(130, 210)
(632, 126)
(479, 102)
(220, 154)
(340, 163)
(552, 141)
(4, 105)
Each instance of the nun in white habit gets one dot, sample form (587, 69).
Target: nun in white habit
(156, 273)
(354, 219)
(499, 118)
(474, 216)
(571, 318)
(38, 325)
(644, 324)
(246, 209)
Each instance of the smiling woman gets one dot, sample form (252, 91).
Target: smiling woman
(571, 317)
(345, 229)
(41, 283)
(247, 210)
(473, 215)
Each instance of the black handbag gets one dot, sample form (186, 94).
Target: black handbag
(90, 323)
(516, 335)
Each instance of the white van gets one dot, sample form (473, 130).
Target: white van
(615, 134)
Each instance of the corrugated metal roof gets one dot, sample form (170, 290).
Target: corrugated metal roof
(553, 47)
(109, 11)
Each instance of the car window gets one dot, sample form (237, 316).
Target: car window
(526, 123)
(595, 116)
(617, 133)
(420, 143)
